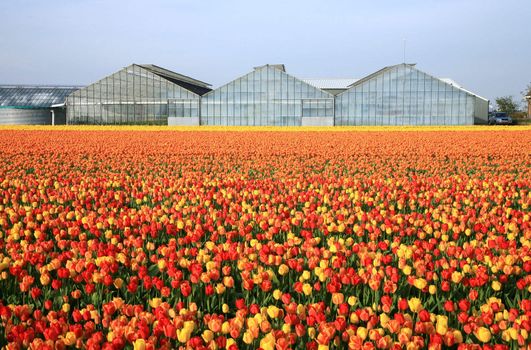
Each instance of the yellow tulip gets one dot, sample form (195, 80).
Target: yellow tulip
(247, 337)
(362, 332)
(384, 319)
(184, 334)
(420, 283)
(225, 327)
(408, 332)
(207, 335)
(442, 325)
(506, 336)
(268, 342)
(337, 298)
(139, 344)
(311, 332)
(65, 308)
(110, 336)
(415, 304)
(306, 289)
(155, 302)
(283, 269)
(70, 338)
(458, 336)
(273, 311)
(412, 346)
(286, 328)
(45, 279)
(220, 288)
(483, 334)
(496, 285)
(229, 343)
(161, 264)
(457, 277)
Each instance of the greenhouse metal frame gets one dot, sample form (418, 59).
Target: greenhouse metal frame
(137, 94)
(404, 95)
(267, 96)
(33, 104)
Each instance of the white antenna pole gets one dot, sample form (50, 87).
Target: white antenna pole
(404, 42)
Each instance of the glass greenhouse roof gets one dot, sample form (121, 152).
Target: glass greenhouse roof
(331, 83)
(166, 73)
(196, 86)
(34, 96)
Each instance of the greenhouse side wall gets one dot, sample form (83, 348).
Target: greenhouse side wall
(481, 111)
(403, 95)
(266, 96)
(132, 95)
(25, 116)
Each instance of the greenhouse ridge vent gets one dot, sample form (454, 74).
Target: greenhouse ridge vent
(268, 95)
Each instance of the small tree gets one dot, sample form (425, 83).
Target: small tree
(507, 104)
(526, 92)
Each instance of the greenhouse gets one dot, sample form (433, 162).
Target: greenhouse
(137, 94)
(267, 96)
(403, 95)
(33, 104)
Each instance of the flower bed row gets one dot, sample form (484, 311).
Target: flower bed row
(274, 240)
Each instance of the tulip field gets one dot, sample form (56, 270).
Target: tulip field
(160, 238)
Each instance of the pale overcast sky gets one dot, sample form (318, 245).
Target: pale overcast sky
(484, 45)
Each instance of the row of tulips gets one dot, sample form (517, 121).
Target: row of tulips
(271, 240)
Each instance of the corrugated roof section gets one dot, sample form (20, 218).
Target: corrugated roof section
(34, 96)
(331, 83)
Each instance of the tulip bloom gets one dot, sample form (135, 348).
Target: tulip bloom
(483, 334)
(344, 238)
(415, 305)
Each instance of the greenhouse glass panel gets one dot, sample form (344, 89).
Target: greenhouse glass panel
(33, 97)
(133, 95)
(403, 95)
(265, 96)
